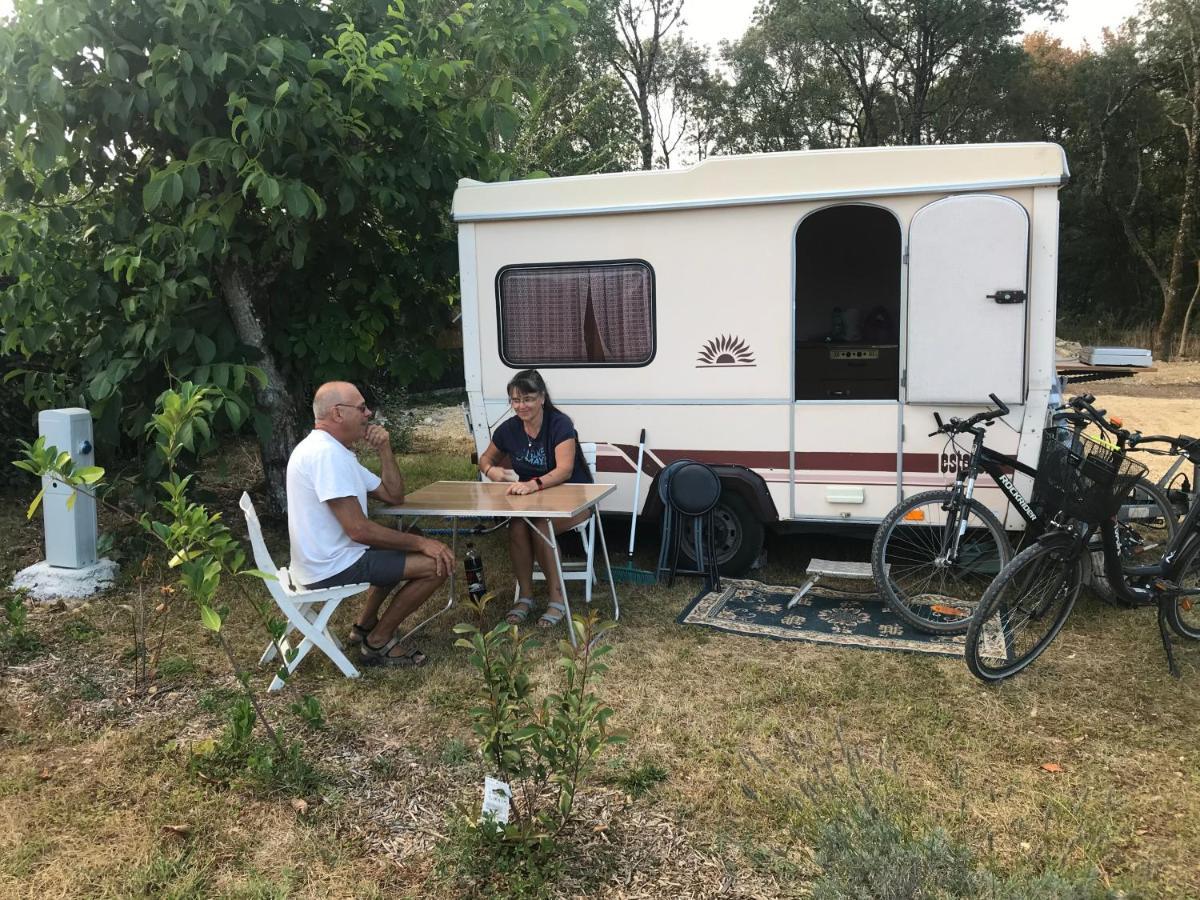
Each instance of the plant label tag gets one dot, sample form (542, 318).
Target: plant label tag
(496, 798)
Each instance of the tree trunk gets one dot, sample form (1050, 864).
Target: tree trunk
(275, 400)
(647, 128)
(1187, 315)
(1173, 303)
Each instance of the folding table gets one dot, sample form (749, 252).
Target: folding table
(490, 500)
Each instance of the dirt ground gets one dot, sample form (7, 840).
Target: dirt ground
(1165, 401)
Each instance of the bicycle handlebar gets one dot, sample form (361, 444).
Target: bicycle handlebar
(961, 426)
(1183, 443)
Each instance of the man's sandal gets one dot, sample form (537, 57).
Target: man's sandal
(382, 656)
(520, 611)
(553, 615)
(358, 633)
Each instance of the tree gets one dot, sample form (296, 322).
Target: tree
(249, 193)
(1172, 46)
(632, 35)
(869, 72)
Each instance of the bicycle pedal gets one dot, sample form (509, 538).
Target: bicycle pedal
(1163, 586)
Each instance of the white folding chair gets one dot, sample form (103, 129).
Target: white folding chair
(577, 570)
(308, 612)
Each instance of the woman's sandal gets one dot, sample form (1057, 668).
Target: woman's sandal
(358, 633)
(520, 611)
(381, 656)
(553, 615)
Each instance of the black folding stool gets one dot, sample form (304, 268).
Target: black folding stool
(690, 491)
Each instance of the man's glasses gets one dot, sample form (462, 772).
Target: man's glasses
(361, 407)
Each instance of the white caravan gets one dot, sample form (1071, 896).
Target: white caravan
(793, 319)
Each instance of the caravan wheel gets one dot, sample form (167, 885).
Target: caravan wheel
(738, 538)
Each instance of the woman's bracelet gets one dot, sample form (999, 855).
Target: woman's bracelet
(487, 473)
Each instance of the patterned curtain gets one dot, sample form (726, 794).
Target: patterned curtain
(621, 304)
(542, 314)
(551, 315)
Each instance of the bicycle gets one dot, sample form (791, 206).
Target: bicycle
(1026, 606)
(936, 552)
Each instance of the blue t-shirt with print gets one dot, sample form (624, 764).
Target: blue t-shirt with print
(534, 457)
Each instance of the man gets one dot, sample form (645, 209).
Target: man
(333, 541)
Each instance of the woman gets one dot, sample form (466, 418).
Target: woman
(541, 443)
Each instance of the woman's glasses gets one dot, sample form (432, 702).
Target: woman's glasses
(528, 400)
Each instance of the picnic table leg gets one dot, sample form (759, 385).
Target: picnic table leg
(450, 584)
(612, 587)
(562, 584)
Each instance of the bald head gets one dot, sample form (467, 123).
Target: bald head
(329, 395)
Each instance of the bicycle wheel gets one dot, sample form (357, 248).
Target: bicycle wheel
(1023, 610)
(1150, 519)
(926, 590)
(1183, 615)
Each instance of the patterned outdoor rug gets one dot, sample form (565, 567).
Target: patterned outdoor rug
(823, 616)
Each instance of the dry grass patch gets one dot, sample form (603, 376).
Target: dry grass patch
(668, 814)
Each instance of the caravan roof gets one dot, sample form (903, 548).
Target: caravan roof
(770, 178)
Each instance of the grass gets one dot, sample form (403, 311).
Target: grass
(97, 798)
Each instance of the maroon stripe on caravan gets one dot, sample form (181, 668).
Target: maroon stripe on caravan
(649, 466)
(772, 459)
(823, 461)
(613, 464)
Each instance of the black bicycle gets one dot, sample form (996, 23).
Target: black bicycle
(935, 553)
(1025, 607)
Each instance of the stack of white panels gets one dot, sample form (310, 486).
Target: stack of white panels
(1115, 356)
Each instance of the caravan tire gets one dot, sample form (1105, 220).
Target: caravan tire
(738, 538)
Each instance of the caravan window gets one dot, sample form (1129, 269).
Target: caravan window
(848, 304)
(578, 314)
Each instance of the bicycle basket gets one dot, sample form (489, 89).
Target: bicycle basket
(1088, 482)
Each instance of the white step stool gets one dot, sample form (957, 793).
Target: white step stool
(832, 568)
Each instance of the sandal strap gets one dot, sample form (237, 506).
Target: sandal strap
(559, 608)
(521, 609)
(385, 650)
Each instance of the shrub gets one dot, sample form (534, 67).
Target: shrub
(872, 838)
(542, 747)
(238, 755)
(16, 640)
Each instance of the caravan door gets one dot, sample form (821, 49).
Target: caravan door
(967, 285)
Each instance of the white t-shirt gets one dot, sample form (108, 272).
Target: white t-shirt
(320, 469)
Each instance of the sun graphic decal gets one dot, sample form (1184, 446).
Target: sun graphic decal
(726, 350)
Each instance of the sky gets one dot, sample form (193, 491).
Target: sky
(711, 21)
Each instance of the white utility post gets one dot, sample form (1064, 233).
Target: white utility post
(70, 533)
(71, 568)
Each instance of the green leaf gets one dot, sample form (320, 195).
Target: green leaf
(191, 180)
(116, 65)
(210, 619)
(152, 192)
(282, 90)
(268, 191)
(90, 474)
(173, 191)
(43, 156)
(35, 503)
(206, 350)
(296, 199)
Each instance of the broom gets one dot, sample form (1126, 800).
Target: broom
(629, 573)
